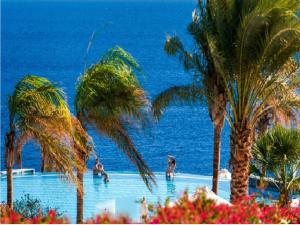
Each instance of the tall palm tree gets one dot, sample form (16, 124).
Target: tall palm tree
(266, 39)
(38, 111)
(208, 84)
(109, 98)
(279, 153)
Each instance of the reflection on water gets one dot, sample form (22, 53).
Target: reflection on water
(98, 181)
(171, 187)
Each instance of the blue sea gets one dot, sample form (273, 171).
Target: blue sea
(50, 38)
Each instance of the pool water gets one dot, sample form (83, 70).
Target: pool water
(119, 196)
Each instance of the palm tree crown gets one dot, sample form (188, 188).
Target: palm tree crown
(279, 153)
(109, 98)
(262, 46)
(38, 111)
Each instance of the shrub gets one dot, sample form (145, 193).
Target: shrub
(30, 207)
(107, 219)
(203, 210)
(9, 216)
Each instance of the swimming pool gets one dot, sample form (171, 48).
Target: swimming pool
(119, 195)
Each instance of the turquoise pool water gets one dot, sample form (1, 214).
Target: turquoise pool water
(119, 196)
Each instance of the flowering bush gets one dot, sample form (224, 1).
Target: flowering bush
(106, 219)
(185, 210)
(10, 216)
(202, 210)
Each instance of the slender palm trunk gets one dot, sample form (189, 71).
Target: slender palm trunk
(241, 141)
(263, 170)
(80, 198)
(262, 125)
(217, 112)
(80, 194)
(9, 166)
(216, 160)
(9, 187)
(43, 163)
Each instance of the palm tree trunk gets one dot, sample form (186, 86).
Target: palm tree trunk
(80, 194)
(43, 157)
(217, 113)
(284, 199)
(9, 165)
(262, 125)
(9, 187)
(241, 141)
(80, 198)
(263, 170)
(43, 163)
(216, 160)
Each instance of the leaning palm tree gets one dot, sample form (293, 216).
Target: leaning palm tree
(267, 37)
(208, 85)
(37, 110)
(278, 153)
(109, 98)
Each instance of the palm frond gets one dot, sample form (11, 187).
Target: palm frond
(177, 94)
(114, 129)
(190, 61)
(119, 58)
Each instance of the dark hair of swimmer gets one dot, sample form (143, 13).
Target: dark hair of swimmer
(173, 161)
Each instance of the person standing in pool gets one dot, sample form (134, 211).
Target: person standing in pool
(170, 167)
(99, 168)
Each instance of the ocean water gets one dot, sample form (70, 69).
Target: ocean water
(50, 38)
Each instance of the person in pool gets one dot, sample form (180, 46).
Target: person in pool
(99, 169)
(171, 166)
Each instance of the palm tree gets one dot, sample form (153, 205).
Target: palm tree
(279, 153)
(208, 84)
(109, 98)
(287, 112)
(266, 39)
(37, 110)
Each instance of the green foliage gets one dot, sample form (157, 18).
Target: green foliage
(113, 91)
(34, 95)
(38, 111)
(261, 45)
(109, 98)
(119, 58)
(279, 152)
(207, 85)
(30, 207)
(176, 94)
